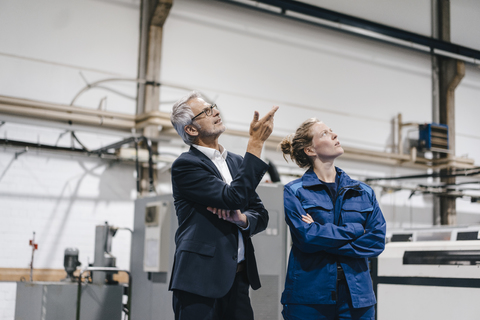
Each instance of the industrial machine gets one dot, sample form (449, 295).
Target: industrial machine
(429, 273)
(152, 252)
(70, 263)
(271, 252)
(151, 258)
(74, 297)
(433, 137)
(153, 248)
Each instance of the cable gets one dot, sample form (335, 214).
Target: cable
(79, 142)
(141, 81)
(466, 172)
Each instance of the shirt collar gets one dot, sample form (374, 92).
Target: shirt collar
(211, 153)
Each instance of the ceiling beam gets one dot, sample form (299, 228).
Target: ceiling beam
(435, 46)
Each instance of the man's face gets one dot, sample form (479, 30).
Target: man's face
(210, 126)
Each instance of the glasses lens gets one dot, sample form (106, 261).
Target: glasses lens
(209, 110)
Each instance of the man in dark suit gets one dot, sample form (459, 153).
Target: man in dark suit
(218, 211)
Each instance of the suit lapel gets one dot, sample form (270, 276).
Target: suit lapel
(231, 165)
(205, 160)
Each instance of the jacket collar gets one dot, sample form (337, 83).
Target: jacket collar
(310, 179)
(199, 154)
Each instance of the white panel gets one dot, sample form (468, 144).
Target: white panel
(49, 42)
(400, 302)
(467, 113)
(390, 262)
(250, 60)
(465, 23)
(92, 34)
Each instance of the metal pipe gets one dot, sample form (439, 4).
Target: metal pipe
(48, 111)
(114, 145)
(34, 245)
(70, 116)
(400, 137)
(13, 143)
(470, 172)
(137, 166)
(79, 296)
(13, 101)
(148, 143)
(84, 116)
(110, 270)
(391, 159)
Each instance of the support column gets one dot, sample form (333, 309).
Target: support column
(153, 16)
(450, 73)
(435, 99)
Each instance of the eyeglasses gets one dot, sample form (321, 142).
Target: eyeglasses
(208, 111)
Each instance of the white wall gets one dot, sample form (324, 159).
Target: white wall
(249, 60)
(246, 60)
(464, 21)
(44, 45)
(243, 59)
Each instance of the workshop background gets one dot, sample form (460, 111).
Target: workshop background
(78, 76)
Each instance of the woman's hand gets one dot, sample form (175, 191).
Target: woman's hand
(308, 219)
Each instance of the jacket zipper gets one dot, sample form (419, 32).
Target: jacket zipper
(335, 293)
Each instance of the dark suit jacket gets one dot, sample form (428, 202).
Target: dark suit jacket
(206, 247)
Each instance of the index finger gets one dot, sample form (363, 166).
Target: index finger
(270, 114)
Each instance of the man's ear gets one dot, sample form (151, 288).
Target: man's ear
(191, 130)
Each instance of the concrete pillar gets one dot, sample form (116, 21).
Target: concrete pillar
(153, 16)
(450, 73)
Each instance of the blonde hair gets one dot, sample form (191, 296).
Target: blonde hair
(295, 143)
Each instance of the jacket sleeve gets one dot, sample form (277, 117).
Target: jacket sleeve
(370, 244)
(257, 216)
(196, 182)
(315, 237)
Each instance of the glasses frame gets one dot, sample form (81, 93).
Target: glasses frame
(208, 111)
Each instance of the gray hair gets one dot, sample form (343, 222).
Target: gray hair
(182, 115)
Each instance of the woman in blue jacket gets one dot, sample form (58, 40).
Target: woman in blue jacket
(336, 225)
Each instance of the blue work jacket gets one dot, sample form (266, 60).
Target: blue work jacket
(348, 230)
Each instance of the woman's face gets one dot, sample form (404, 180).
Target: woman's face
(325, 145)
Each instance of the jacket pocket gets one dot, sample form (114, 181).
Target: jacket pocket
(321, 210)
(308, 204)
(197, 247)
(356, 211)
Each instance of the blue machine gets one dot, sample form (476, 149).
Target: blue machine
(433, 137)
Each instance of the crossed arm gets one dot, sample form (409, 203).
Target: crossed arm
(368, 245)
(315, 237)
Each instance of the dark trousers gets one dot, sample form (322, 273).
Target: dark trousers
(235, 305)
(342, 310)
